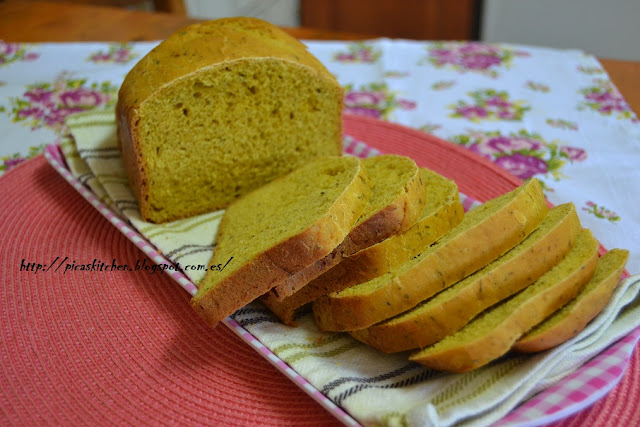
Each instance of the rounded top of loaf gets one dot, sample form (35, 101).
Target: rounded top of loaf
(213, 43)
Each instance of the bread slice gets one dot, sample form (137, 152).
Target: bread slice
(454, 307)
(442, 212)
(280, 229)
(573, 318)
(220, 108)
(397, 201)
(484, 234)
(493, 333)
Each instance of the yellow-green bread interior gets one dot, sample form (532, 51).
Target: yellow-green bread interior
(609, 264)
(386, 172)
(489, 320)
(550, 222)
(440, 191)
(474, 216)
(280, 210)
(226, 129)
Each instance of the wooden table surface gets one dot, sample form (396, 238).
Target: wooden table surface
(60, 22)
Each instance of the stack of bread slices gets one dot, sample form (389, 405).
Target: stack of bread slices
(382, 249)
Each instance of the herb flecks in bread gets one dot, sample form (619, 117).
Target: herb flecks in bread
(219, 109)
(280, 229)
(574, 317)
(442, 212)
(484, 234)
(493, 333)
(397, 201)
(454, 307)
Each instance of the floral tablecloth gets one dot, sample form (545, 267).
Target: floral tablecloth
(553, 114)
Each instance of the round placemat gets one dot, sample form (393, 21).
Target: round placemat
(83, 346)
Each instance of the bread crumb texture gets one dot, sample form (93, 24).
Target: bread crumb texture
(281, 228)
(484, 234)
(219, 109)
(493, 333)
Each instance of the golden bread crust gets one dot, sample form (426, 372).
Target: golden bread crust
(261, 273)
(200, 54)
(587, 305)
(465, 249)
(377, 259)
(402, 212)
(426, 324)
(464, 352)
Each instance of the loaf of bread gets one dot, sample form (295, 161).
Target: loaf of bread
(454, 307)
(493, 333)
(280, 229)
(572, 319)
(397, 201)
(217, 110)
(484, 234)
(442, 212)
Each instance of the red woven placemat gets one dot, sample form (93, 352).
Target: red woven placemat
(114, 347)
(124, 347)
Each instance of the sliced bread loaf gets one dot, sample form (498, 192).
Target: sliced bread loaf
(280, 229)
(493, 333)
(397, 201)
(454, 307)
(484, 234)
(220, 108)
(572, 318)
(442, 212)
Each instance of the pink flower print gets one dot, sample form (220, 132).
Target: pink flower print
(523, 167)
(40, 96)
(574, 154)
(345, 57)
(358, 52)
(363, 111)
(100, 57)
(471, 56)
(364, 98)
(505, 145)
(48, 104)
(606, 100)
(497, 101)
(81, 97)
(119, 53)
(471, 112)
(479, 62)
(12, 52)
(56, 117)
(443, 56)
(374, 100)
(406, 104)
(33, 112)
(10, 163)
(483, 150)
(7, 49)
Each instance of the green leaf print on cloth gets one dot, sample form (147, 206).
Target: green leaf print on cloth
(47, 104)
(374, 100)
(537, 86)
(14, 52)
(476, 57)
(490, 105)
(600, 211)
(562, 124)
(522, 153)
(604, 98)
(9, 162)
